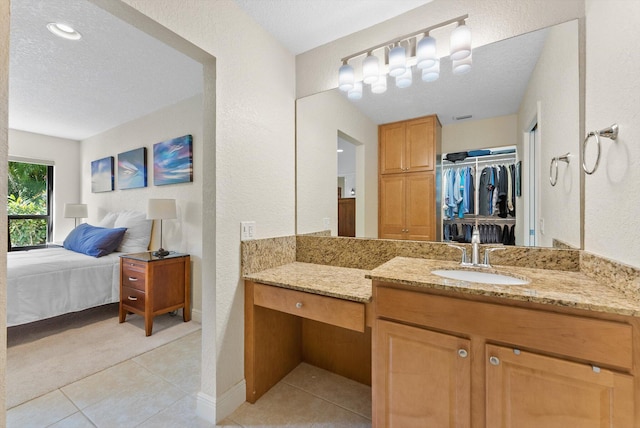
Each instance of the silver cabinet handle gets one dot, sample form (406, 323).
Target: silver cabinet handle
(462, 353)
(299, 305)
(494, 361)
(132, 298)
(133, 279)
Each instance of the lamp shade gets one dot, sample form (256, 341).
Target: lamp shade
(404, 80)
(370, 69)
(462, 66)
(75, 211)
(431, 74)
(460, 46)
(346, 77)
(426, 52)
(380, 85)
(161, 209)
(397, 61)
(355, 93)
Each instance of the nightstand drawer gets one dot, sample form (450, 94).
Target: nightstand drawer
(132, 277)
(133, 297)
(330, 310)
(133, 265)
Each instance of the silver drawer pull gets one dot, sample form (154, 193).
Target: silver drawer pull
(463, 353)
(131, 278)
(132, 298)
(495, 361)
(299, 305)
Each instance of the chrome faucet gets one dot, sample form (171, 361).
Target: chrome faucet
(475, 246)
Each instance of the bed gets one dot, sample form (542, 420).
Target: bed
(48, 282)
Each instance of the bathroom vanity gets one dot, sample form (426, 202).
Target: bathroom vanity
(454, 353)
(561, 350)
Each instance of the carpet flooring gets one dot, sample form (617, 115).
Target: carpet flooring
(49, 354)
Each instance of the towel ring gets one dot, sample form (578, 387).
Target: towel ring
(610, 132)
(553, 178)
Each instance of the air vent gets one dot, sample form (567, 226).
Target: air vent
(469, 116)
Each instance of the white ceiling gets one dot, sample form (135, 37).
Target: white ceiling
(301, 25)
(76, 89)
(117, 73)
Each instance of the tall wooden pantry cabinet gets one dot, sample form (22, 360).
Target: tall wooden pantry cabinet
(407, 180)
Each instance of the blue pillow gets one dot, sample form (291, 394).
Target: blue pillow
(94, 241)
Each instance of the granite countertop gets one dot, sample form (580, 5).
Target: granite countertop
(332, 281)
(561, 288)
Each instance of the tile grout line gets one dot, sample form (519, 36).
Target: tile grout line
(326, 400)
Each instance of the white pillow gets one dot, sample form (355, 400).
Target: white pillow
(136, 238)
(109, 220)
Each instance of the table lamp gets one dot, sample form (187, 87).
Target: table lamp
(75, 211)
(161, 209)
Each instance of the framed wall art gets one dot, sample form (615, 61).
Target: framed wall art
(132, 169)
(173, 161)
(102, 175)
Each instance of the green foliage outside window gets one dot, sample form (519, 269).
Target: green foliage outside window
(27, 196)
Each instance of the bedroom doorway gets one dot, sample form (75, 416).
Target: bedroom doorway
(203, 258)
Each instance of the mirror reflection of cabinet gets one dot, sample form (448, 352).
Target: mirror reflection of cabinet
(407, 179)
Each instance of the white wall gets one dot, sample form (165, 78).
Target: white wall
(320, 118)
(65, 154)
(182, 234)
(463, 136)
(612, 193)
(4, 145)
(254, 168)
(553, 95)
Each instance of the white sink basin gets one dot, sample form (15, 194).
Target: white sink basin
(482, 277)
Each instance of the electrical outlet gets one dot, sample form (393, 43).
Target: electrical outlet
(326, 223)
(247, 230)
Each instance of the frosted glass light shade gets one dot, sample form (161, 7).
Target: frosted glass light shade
(355, 93)
(462, 66)
(75, 211)
(397, 61)
(346, 77)
(426, 52)
(370, 69)
(404, 81)
(431, 74)
(380, 85)
(161, 209)
(460, 46)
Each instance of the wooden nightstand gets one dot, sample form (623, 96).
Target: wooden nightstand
(151, 286)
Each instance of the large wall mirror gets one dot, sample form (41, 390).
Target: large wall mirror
(522, 92)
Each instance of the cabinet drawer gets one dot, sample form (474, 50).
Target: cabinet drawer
(134, 265)
(133, 297)
(330, 310)
(588, 339)
(132, 276)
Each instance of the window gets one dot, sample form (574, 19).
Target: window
(29, 204)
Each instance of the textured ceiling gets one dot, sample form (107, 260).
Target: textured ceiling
(301, 25)
(76, 89)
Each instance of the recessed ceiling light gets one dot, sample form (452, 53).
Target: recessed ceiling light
(63, 30)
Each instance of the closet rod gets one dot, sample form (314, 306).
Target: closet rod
(478, 160)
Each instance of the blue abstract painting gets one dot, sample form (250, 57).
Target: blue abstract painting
(173, 161)
(132, 169)
(102, 175)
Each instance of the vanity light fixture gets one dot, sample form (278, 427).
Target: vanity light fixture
(64, 31)
(401, 55)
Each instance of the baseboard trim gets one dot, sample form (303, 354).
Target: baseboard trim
(196, 315)
(206, 407)
(233, 398)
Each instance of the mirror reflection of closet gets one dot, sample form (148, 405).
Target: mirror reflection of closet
(346, 186)
(482, 188)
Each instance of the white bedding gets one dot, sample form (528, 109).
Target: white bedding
(48, 282)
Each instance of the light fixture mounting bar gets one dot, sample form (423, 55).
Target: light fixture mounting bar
(405, 37)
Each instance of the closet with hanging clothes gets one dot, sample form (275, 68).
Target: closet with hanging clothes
(479, 187)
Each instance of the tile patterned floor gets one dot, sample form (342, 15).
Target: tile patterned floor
(158, 389)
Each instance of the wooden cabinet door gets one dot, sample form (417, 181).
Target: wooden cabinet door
(391, 221)
(392, 148)
(347, 217)
(420, 378)
(420, 145)
(420, 194)
(526, 390)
